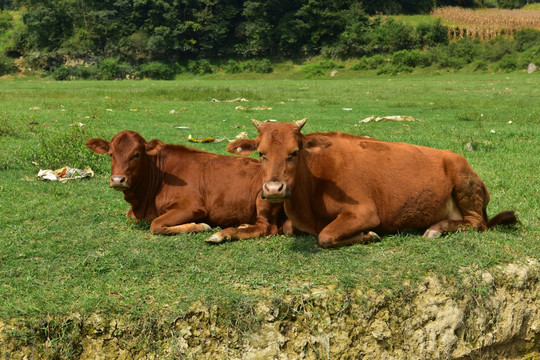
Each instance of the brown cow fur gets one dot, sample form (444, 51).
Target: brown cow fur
(345, 189)
(180, 189)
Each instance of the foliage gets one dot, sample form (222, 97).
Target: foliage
(58, 150)
(157, 71)
(321, 67)
(7, 65)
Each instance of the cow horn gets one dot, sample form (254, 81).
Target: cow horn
(256, 123)
(301, 123)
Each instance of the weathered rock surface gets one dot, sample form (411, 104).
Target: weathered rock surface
(492, 316)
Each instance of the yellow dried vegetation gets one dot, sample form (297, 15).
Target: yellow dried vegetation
(486, 23)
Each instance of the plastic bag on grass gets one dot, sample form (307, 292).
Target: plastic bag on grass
(64, 174)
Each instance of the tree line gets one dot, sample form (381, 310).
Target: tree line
(169, 31)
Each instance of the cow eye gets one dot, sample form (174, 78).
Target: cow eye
(293, 154)
(261, 155)
(136, 156)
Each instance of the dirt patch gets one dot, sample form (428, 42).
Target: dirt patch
(491, 316)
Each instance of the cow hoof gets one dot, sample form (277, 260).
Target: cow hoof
(374, 236)
(215, 239)
(432, 234)
(206, 227)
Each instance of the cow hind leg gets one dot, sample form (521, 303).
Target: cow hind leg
(466, 208)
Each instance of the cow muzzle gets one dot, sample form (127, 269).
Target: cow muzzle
(118, 183)
(275, 191)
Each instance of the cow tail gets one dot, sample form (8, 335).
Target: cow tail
(503, 218)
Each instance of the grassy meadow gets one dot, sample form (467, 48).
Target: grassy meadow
(67, 249)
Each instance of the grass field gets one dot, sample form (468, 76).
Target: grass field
(66, 248)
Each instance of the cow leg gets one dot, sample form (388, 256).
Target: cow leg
(176, 221)
(471, 197)
(266, 224)
(350, 228)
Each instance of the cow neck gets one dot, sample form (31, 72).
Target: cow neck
(142, 195)
(303, 186)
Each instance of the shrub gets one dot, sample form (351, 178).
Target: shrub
(109, 69)
(480, 65)
(507, 63)
(393, 69)
(199, 67)
(85, 72)
(511, 4)
(321, 67)
(7, 65)
(466, 49)
(263, 66)
(430, 34)
(67, 149)
(498, 47)
(532, 55)
(6, 21)
(391, 36)
(410, 58)
(527, 38)
(232, 67)
(157, 71)
(61, 73)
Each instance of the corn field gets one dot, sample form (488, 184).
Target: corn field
(486, 23)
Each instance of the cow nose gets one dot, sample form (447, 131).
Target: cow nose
(118, 182)
(275, 190)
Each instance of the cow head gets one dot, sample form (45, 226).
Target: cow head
(281, 148)
(129, 154)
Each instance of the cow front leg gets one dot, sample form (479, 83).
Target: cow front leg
(268, 216)
(350, 228)
(245, 231)
(178, 221)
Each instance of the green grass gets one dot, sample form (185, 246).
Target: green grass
(535, 6)
(67, 248)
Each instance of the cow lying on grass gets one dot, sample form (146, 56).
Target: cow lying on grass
(345, 189)
(179, 189)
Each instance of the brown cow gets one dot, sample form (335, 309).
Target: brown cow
(347, 188)
(175, 186)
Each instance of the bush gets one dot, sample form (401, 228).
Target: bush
(511, 4)
(67, 149)
(498, 47)
(370, 63)
(410, 58)
(6, 21)
(532, 55)
(431, 34)
(527, 38)
(61, 73)
(480, 65)
(232, 67)
(85, 72)
(393, 69)
(157, 71)
(507, 63)
(391, 36)
(263, 66)
(199, 67)
(321, 67)
(7, 65)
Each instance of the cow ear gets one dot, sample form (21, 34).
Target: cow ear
(314, 144)
(98, 146)
(242, 147)
(154, 146)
